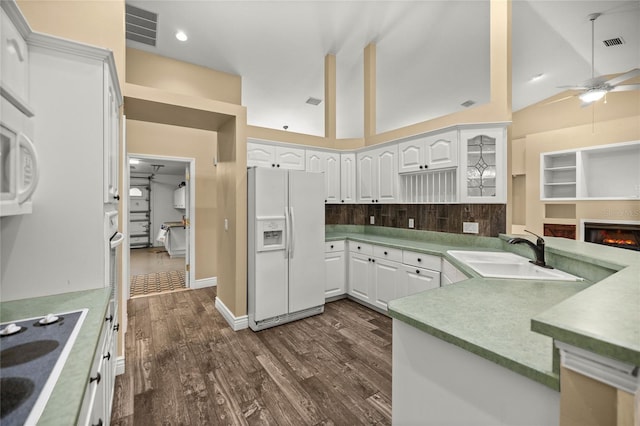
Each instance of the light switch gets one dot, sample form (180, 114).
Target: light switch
(226, 224)
(411, 223)
(372, 220)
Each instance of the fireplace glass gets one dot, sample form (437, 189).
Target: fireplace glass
(619, 235)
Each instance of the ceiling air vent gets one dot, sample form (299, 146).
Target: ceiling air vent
(468, 103)
(613, 42)
(142, 25)
(314, 101)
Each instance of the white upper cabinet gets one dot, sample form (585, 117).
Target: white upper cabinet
(387, 174)
(111, 139)
(265, 155)
(260, 155)
(14, 66)
(329, 164)
(428, 153)
(289, 158)
(377, 175)
(483, 165)
(348, 178)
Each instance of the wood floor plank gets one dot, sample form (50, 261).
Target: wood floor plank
(185, 365)
(175, 409)
(329, 402)
(292, 390)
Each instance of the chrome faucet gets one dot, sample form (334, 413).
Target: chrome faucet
(538, 249)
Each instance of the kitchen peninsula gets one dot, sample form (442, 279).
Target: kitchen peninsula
(491, 341)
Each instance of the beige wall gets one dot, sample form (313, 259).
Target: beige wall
(99, 23)
(232, 199)
(166, 140)
(588, 402)
(566, 125)
(147, 69)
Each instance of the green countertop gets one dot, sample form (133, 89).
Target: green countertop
(514, 322)
(66, 399)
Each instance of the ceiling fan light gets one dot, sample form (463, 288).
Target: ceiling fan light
(592, 95)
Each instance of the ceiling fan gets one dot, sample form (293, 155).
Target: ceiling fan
(596, 88)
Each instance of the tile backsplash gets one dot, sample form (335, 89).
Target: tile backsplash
(491, 218)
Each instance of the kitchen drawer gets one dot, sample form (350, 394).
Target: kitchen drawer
(363, 248)
(387, 253)
(333, 246)
(421, 260)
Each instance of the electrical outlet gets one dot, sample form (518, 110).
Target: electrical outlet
(470, 227)
(411, 223)
(372, 220)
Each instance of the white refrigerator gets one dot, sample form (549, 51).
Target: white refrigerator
(286, 269)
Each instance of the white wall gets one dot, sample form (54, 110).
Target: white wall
(162, 187)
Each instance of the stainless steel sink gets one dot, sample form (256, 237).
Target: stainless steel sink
(508, 265)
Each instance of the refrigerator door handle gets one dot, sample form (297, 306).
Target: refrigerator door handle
(287, 233)
(292, 241)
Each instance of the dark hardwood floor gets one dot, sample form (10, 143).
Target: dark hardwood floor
(184, 365)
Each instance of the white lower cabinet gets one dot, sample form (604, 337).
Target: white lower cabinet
(386, 279)
(336, 276)
(360, 276)
(451, 274)
(415, 280)
(379, 274)
(98, 396)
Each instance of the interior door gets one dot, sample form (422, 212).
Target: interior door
(187, 227)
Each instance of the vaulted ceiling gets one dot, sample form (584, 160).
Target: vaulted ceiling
(431, 55)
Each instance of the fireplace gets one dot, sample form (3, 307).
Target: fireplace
(615, 234)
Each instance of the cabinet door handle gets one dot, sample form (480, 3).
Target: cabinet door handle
(95, 379)
(426, 166)
(343, 201)
(325, 201)
(421, 166)
(109, 318)
(116, 197)
(417, 271)
(385, 253)
(99, 423)
(373, 260)
(358, 247)
(331, 245)
(278, 165)
(107, 356)
(116, 327)
(273, 165)
(419, 260)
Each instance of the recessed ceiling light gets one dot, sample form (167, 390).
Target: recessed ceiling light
(537, 77)
(180, 35)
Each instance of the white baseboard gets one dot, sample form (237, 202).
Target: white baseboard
(120, 365)
(236, 323)
(205, 282)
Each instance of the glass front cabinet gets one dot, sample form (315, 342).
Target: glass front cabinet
(482, 165)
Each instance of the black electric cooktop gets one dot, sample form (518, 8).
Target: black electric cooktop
(32, 354)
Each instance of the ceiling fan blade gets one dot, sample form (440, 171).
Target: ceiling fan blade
(559, 100)
(624, 77)
(625, 88)
(574, 87)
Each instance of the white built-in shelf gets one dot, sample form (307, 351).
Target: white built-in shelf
(604, 172)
